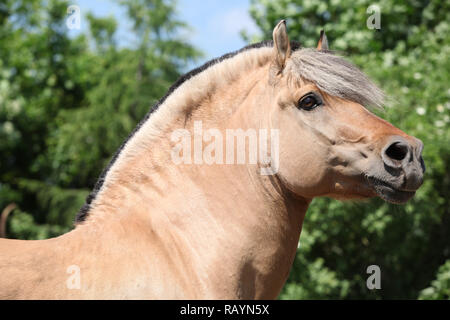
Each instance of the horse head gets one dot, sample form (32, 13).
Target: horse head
(330, 143)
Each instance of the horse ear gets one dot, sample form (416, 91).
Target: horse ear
(323, 41)
(281, 45)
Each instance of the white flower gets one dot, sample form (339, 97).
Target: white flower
(4, 85)
(439, 123)
(421, 111)
(8, 127)
(440, 108)
(15, 106)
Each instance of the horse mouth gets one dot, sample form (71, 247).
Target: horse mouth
(388, 192)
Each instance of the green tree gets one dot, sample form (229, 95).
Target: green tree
(67, 103)
(408, 57)
(345, 21)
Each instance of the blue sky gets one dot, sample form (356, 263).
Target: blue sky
(215, 25)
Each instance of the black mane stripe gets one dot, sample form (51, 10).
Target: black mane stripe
(84, 211)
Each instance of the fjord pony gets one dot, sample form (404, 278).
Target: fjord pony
(155, 229)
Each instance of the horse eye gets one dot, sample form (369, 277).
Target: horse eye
(309, 102)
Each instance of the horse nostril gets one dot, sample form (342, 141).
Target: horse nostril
(422, 165)
(397, 150)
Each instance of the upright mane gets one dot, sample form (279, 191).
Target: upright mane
(84, 211)
(332, 74)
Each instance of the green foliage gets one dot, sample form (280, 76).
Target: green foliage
(24, 226)
(67, 103)
(408, 57)
(440, 288)
(345, 21)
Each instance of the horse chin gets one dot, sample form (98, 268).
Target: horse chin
(355, 191)
(389, 193)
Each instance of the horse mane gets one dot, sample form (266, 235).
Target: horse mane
(84, 211)
(331, 73)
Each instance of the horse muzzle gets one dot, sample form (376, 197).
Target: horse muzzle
(403, 170)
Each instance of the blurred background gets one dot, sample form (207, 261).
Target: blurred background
(69, 96)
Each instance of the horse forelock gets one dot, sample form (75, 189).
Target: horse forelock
(336, 76)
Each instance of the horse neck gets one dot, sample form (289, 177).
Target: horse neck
(247, 219)
(145, 169)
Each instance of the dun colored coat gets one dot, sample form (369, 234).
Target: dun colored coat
(156, 229)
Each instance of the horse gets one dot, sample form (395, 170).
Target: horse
(158, 228)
